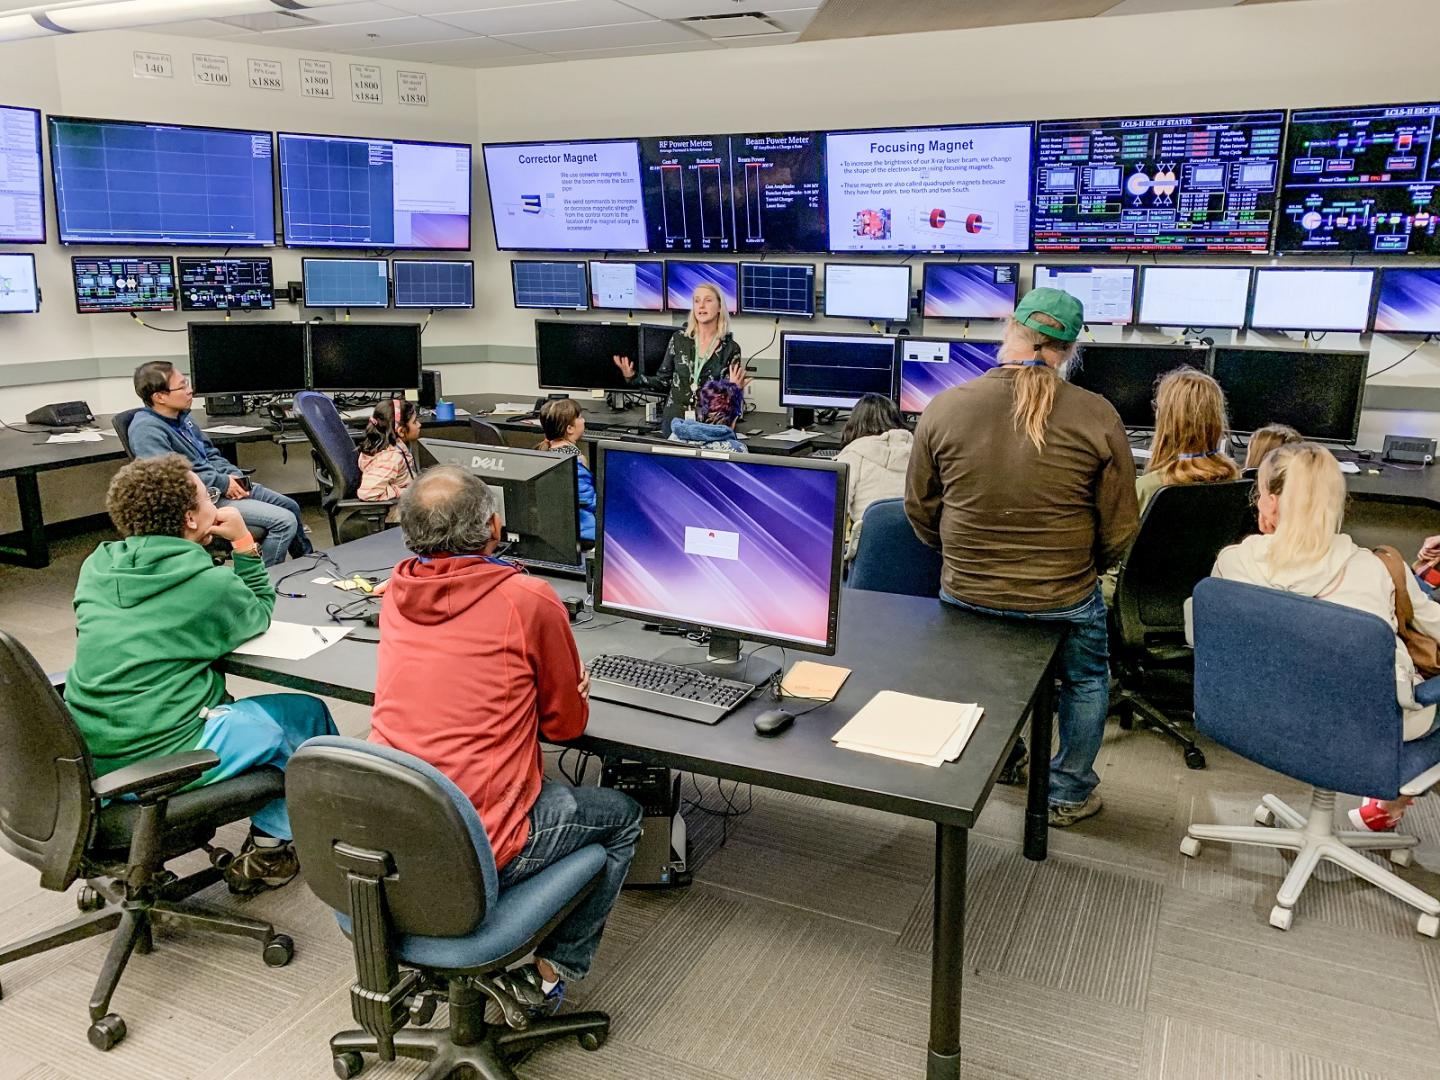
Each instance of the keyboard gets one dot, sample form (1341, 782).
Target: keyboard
(557, 569)
(672, 689)
(827, 454)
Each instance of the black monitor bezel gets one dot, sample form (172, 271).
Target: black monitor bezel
(1202, 353)
(1134, 269)
(1245, 307)
(34, 279)
(40, 138)
(925, 281)
(740, 290)
(395, 289)
(1362, 360)
(305, 293)
(590, 284)
(180, 272)
(515, 286)
(310, 328)
(1380, 291)
(786, 402)
(122, 310)
(248, 325)
(539, 369)
(1373, 271)
(909, 291)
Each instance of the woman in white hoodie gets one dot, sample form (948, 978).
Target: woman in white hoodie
(1300, 549)
(876, 445)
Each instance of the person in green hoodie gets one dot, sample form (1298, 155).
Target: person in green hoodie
(153, 613)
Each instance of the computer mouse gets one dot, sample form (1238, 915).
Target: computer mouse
(772, 722)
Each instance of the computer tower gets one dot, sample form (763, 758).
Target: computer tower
(225, 405)
(661, 857)
(430, 391)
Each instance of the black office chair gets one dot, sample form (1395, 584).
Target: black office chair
(1181, 533)
(486, 433)
(398, 851)
(57, 816)
(891, 558)
(337, 470)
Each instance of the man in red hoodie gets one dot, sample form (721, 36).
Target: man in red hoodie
(476, 665)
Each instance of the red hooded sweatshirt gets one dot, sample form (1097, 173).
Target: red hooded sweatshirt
(476, 664)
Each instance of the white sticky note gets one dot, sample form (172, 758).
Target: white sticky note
(712, 543)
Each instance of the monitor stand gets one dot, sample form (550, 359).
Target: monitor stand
(726, 661)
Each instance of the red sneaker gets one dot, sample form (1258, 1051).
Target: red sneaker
(1370, 816)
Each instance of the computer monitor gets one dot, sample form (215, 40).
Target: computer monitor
(122, 284)
(627, 285)
(1125, 375)
(1194, 296)
(22, 191)
(1312, 300)
(1108, 292)
(930, 366)
(434, 283)
(226, 285)
(969, 290)
(536, 494)
(581, 355)
(566, 196)
(363, 356)
(1409, 302)
(19, 289)
(246, 356)
(1317, 393)
(877, 292)
(345, 283)
(540, 283)
(682, 278)
(748, 547)
(834, 371)
(777, 289)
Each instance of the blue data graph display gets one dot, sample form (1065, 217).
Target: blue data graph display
(337, 192)
(345, 283)
(430, 283)
(133, 183)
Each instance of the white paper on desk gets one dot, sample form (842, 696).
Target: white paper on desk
(76, 436)
(293, 641)
(514, 407)
(917, 728)
(791, 435)
(231, 429)
(949, 752)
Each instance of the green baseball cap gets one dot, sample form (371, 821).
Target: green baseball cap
(1059, 305)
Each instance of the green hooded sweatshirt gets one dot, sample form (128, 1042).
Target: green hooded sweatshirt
(152, 614)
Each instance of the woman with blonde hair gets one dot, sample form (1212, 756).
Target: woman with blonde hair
(1189, 428)
(1266, 439)
(1026, 484)
(1301, 550)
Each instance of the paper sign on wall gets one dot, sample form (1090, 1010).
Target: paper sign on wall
(365, 84)
(211, 70)
(315, 79)
(266, 75)
(153, 65)
(414, 88)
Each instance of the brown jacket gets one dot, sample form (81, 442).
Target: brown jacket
(1020, 529)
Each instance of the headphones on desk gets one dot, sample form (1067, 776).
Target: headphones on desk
(365, 611)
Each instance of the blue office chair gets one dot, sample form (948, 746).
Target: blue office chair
(1307, 688)
(337, 470)
(401, 855)
(891, 558)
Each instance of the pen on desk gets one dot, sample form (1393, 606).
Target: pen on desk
(323, 639)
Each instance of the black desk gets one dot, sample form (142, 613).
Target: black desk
(967, 657)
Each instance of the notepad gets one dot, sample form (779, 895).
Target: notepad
(909, 728)
(231, 429)
(792, 436)
(818, 682)
(292, 641)
(76, 437)
(514, 407)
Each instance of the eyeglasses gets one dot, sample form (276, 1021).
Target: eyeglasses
(184, 385)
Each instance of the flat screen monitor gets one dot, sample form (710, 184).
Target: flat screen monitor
(1318, 300)
(566, 196)
(434, 283)
(364, 356)
(683, 278)
(872, 291)
(121, 182)
(1192, 182)
(581, 355)
(245, 356)
(345, 283)
(1194, 296)
(1317, 393)
(1125, 375)
(19, 288)
(741, 544)
(536, 495)
(1409, 302)
(777, 289)
(1108, 292)
(543, 284)
(930, 366)
(342, 192)
(22, 191)
(123, 284)
(226, 285)
(969, 290)
(1361, 179)
(627, 285)
(962, 189)
(834, 371)
(689, 197)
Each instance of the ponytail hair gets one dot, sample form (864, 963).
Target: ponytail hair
(386, 423)
(1189, 427)
(1307, 479)
(1266, 439)
(1035, 384)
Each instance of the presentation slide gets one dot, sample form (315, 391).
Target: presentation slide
(576, 196)
(688, 202)
(1312, 300)
(628, 286)
(1409, 302)
(929, 189)
(1194, 296)
(779, 191)
(19, 293)
(22, 194)
(1108, 292)
(867, 292)
(929, 367)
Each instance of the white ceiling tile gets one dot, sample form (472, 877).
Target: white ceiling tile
(441, 7)
(469, 52)
(350, 13)
(557, 15)
(367, 35)
(202, 28)
(637, 50)
(604, 37)
(688, 9)
(793, 19)
(757, 39)
(732, 26)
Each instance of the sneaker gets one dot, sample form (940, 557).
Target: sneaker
(525, 985)
(258, 868)
(1371, 816)
(1063, 816)
(1015, 773)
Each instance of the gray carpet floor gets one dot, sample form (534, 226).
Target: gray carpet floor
(802, 949)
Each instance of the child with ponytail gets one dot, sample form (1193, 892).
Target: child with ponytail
(386, 464)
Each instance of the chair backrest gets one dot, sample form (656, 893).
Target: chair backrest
(891, 558)
(350, 792)
(1302, 686)
(121, 422)
(1182, 531)
(486, 433)
(45, 771)
(330, 439)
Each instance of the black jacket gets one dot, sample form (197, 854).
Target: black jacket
(673, 378)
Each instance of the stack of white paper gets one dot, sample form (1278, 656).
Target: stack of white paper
(909, 728)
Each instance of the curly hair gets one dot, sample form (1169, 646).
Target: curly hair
(150, 497)
(720, 402)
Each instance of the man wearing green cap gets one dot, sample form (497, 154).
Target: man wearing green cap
(1027, 486)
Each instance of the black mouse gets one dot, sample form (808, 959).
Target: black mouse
(773, 721)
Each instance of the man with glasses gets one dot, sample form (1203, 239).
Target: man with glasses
(164, 426)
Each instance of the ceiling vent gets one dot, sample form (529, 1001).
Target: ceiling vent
(279, 20)
(740, 24)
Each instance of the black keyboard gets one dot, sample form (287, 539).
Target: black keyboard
(557, 569)
(672, 689)
(827, 454)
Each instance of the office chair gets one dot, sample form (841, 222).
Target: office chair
(1307, 688)
(58, 817)
(400, 854)
(891, 558)
(486, 433)
(337, 470)
(1181, 533)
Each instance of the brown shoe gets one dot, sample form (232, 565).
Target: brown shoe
(258, 868)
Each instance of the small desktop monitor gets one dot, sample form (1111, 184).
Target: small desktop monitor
(434, 283)
(834, 371)
(226, 285)
(247, 357)
(930, 366)
(1108, 292)
(540, 283)
(536, 495)
(875, 291)
(1318, 393)
(777, 289)
(969, 290)
(19, 288)
(581, 355)
(121, 284)
(1409, 302)
(627, 285)
(1212, 297)
(346, 283)
(363, 356)
(682, 278)
(1125, 375)
(1312, 300)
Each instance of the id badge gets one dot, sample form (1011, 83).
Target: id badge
(690, 414)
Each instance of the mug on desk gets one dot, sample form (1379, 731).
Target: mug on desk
(444, 410)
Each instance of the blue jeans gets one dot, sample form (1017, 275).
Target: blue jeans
(1084, 692)
(563, 820)
(278, 515)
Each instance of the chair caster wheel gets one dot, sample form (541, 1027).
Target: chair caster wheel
(88, 899)
(220, 859)
(1264, 816)
(348, 1064)
(1429, 925)
(1190, 846)
(279, 951)
(1194, 757)
(1281, 917)
(1125, 715)
(594, 1040)
(422, 1010)
(106, 1033)
(1402, 856)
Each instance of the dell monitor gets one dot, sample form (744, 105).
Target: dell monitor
(876, 291)
(1317, 393)
(777, 289)
(930, 366)
(434, 283)
(226, 285)
(834, 371)
(1409, 302)
(1312, 300)
(969, 290)
(1108, 292)
(123, 284)
(539, 283)
(1194, 296)
(581, 355)
(627, 285)
(353, 356)
(1125, 375)
(682, 278)
(19, 288)
(345, 283)
(247, 357)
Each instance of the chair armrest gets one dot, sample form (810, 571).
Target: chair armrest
(376, 507)
(156, 778)
(1428, 692)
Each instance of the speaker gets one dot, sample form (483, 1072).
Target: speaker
(430, 392)
(225, 405)
(61, 414)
